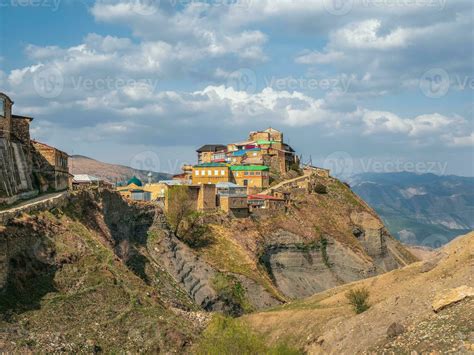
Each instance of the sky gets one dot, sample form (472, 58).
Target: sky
(355, 85)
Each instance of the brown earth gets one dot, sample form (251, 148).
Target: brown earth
(113, 173)
(325, 322)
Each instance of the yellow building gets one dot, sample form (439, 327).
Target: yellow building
(211, 173)
(251, 175)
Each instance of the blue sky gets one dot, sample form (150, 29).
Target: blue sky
(357, 85)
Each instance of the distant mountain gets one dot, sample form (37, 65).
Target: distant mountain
(111, 172)
(423, 209)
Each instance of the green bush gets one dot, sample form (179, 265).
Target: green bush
(320, 189)
(358, 298)
(230, 336)
(232, 292)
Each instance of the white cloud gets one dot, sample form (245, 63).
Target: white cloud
(461, 141)
(316, 57)
(366, 35)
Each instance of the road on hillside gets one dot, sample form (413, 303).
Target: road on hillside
(24, 204)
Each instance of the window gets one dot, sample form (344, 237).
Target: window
(2, 107)
(252, 173)
(196, 172)
(246, 173)
(209, 172)
(222, 172)
(216, 172)
(257, 173)
(254, 154)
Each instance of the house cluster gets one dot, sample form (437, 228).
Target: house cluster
(246, 163)
(27, 167)
(230, 177)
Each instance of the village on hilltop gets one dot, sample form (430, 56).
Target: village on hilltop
(237, 178)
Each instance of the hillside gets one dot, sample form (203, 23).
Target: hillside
(102, 273)
(111, 172)
(423, 209)
(325, 322)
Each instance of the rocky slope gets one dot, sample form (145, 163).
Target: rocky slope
(103, 273)
(422, 209)
(110, 172)
(424, 307)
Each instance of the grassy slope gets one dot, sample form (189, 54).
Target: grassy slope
(237, 243)
(89, 300)
(403, 295)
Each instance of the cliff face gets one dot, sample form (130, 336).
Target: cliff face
(425, 307)
(322, 241)
(101, 273)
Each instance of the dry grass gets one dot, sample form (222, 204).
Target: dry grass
(403, 295)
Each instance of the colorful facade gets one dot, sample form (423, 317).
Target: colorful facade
(210, 173)
(251, 175)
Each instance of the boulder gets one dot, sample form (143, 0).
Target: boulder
(449, 297)
(395, 329)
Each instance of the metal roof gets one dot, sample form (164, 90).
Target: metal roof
(239, 153)
(211, 148)
(211, 165)
(170, 182)
(228, 185)
(85, 178)
(135, 180)
(248, 168)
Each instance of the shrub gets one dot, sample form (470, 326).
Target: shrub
(232, 292)
(320, 189)
(187, 224)
(230, 336)
(358, 298)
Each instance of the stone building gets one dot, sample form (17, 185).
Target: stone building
(26, 167)
(52, 165)
(15, 154)
(207, 153)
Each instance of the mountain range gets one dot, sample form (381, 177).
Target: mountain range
(80, 164)
(422, 209)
